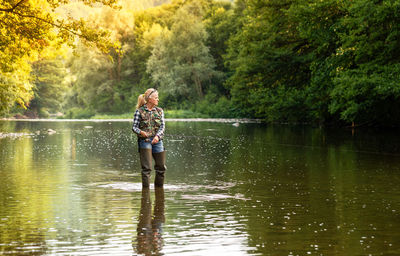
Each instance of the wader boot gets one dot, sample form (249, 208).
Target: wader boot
(160, 168)
(145, 161)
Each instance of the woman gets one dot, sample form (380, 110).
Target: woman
(149, 125)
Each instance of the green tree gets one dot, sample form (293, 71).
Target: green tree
(367, 88)
(220, 24)
(100, 77)
(269, 62)
(50, 87)
(110, 83)
(93, 83)
(15, 86)
(180, 62)
(318, 23)
(26, 29)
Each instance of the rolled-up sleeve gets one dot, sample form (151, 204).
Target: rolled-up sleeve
(136, 122)
(160, 132)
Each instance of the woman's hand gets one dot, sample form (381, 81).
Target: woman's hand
(156, 139)
(144, 134)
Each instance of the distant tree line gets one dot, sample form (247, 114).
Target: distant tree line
(325, 62)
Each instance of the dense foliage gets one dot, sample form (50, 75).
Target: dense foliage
(327, 61)
(27, 29)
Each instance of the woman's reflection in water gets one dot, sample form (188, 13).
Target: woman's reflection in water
(149, 230)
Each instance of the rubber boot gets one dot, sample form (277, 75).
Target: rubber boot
(145, 161)
(160, 168)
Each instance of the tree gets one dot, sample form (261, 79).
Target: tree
(26, 29)
(110, 83)
(15, 86)
(220, 24)
(49, 87)
(366, 84)
(180, 62)
(269, 63)
(318, 24)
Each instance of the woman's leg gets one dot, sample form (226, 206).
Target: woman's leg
(160, 168)
(145, 162)
(159, 159)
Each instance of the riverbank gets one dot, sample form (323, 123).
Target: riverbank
(87, 115)
(213, 120)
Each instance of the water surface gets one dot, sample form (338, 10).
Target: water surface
(248, 190)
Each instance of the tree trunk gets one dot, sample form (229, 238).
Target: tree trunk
(197, 82)
(119, 63)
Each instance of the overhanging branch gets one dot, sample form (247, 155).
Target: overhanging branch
(52, 24)
(12, 8)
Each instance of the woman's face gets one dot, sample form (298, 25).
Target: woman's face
(153, 99)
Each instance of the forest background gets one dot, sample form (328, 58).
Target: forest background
(296, 61)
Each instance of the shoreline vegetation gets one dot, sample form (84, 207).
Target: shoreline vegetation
(170, 115)
(234, 121)
(178, 116)
(290, 62)
(214, 120)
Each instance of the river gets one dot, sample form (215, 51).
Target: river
(74, 188)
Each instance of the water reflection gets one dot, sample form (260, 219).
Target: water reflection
(247, 190)
(149, 230)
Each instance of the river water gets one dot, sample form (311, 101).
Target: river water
(248, 190)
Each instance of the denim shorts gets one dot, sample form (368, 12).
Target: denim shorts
(146, 143)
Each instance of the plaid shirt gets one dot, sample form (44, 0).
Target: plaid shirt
(136, 122)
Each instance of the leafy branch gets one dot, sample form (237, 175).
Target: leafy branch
(12, 8)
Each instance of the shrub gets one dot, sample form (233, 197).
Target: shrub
(218, 107)
(180, 113)
(79, 113)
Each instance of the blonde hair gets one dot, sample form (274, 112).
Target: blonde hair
(142, 99)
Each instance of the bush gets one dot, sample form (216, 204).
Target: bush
(79, 113)
(105, 116)
(218, 107)
(180, 113)
(43, 113)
